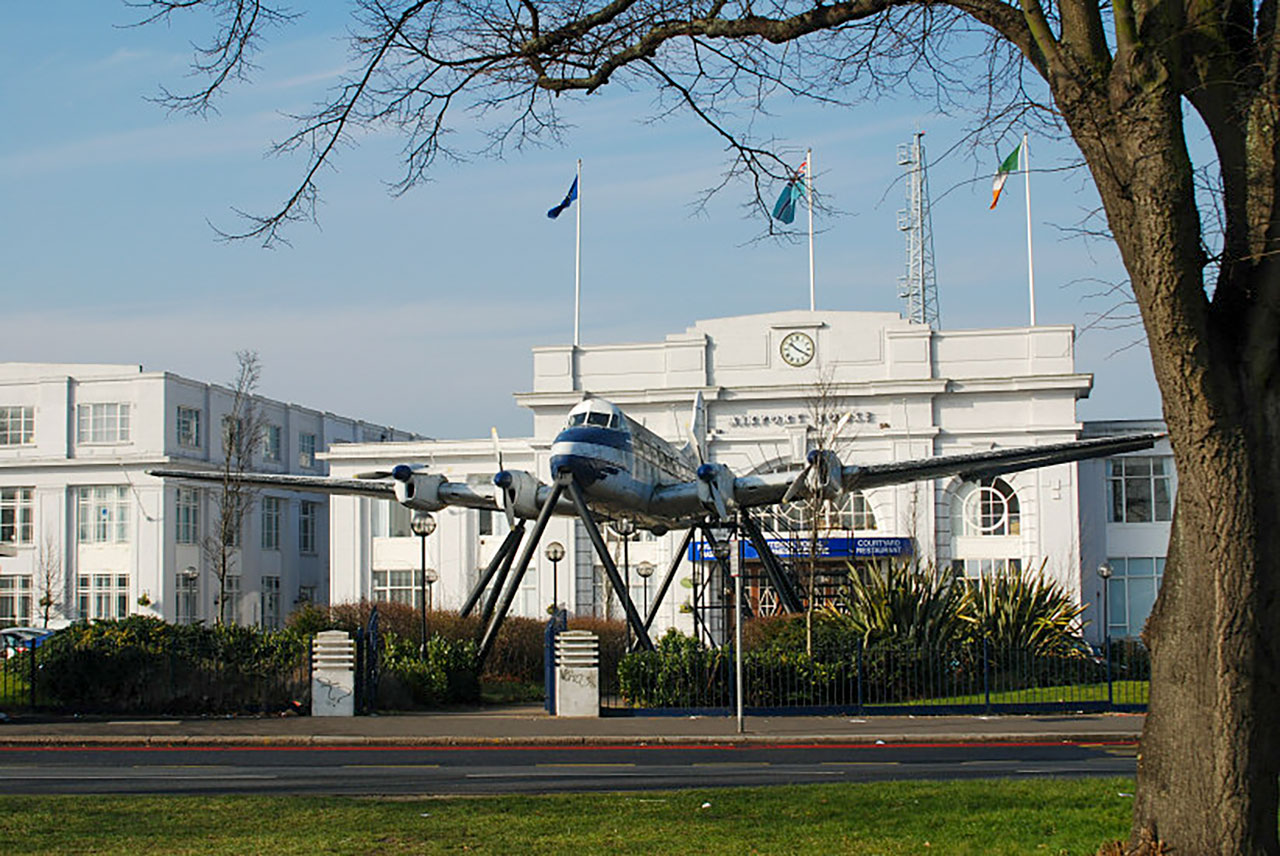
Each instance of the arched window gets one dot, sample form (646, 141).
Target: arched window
(852, 512)
(989, 508)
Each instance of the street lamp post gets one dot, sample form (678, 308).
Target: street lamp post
(554, 553)
(1104, 573)
(423, 524)
(430, 575)
(645, 570)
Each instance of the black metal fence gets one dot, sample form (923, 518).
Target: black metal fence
(975, 678)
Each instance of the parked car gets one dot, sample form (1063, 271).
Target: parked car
(19, 640)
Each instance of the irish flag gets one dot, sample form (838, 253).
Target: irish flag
(1007, 166)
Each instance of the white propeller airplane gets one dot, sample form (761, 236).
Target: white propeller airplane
(605, 465)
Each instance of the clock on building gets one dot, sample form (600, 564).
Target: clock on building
(797, 348)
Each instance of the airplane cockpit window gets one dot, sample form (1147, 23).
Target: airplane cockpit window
(601, 419)
(614, 422)
(577, 419)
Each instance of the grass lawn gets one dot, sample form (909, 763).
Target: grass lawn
(1122, 692)
(1072, 816)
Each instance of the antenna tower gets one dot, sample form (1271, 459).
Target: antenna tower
(919, 286)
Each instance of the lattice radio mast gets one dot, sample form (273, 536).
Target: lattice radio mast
(919, 286)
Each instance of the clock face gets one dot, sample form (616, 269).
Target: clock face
(797, 348)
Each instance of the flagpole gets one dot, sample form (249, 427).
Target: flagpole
(577, 260)
(1031, 268)
(808, 180)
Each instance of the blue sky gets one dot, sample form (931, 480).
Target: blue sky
(420, 310)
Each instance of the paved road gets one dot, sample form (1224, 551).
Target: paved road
(530, 769)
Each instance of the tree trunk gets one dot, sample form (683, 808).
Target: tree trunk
(1207, 768)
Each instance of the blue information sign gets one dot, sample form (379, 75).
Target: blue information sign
(834, 548)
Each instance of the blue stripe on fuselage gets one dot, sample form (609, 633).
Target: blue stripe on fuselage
(601, 436)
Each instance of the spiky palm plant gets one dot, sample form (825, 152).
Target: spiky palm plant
(921, 607)
(1027, 612)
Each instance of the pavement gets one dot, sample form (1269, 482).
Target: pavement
(530, 725)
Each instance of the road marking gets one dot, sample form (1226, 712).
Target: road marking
(547, 774)
(860, 763)
(53, 777)
(731, 764)
(391, 766)
(620, 764)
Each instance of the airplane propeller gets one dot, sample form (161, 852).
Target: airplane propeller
(811, 461)
(504, 481)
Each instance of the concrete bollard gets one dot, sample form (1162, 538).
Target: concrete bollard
(333, 674)
(577, 673)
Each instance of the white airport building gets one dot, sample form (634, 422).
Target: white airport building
(772, 384)
(99, 538)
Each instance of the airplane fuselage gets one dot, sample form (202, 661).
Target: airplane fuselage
(617, 461)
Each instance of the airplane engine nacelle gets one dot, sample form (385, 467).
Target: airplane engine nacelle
(715, 481)
(421, 492)
(520, 492)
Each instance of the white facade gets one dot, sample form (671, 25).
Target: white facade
(914, 392)
(103, 540)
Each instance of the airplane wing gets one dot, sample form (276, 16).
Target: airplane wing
(690, 499)
(978, 465)
(422, 491)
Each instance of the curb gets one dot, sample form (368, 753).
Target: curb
(355, 741)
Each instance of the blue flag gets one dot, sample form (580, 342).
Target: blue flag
(566, 202)
(785, 208)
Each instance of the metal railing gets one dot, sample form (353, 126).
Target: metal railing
(979, 677)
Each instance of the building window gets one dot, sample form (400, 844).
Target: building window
(230, 606)
(15, 600)
(189, 427)
(1131, 592)
(990, 508)
(271, 443)
(486, 521)
(307, 516)
(187, 515)
(271, 603)
(974, 568)
(188, 596)
(1140, 489)
(16, 515)
(103, 595)
(853, 512)
(102, 423)
(307, 450)
(17, 426)
(103, 514)
(391, 520)
(270, 523)
(396, 587)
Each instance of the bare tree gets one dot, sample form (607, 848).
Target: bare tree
(1118, 77)
(828, 415)
(51, 581)
(243, 430)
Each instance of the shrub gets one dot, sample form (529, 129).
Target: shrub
(143, 665)
(446, 676)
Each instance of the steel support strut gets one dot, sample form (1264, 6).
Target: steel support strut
(544, 516)
(642, 639)
(666, 581)
(772, 567)
(495, 591)
(499, 560)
